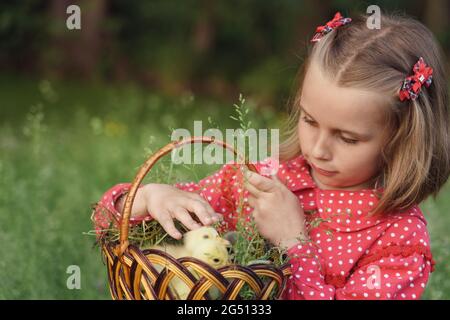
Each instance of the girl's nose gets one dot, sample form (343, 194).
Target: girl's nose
(321, 149)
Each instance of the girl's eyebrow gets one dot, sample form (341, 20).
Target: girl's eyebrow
(356, 134)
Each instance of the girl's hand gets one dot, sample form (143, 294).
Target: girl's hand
(277, 211)
(165, 203)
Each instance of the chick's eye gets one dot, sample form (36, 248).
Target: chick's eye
(205, 236)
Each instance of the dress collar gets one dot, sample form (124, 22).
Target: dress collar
(345, 210)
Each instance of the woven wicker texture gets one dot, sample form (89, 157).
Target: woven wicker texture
(136, 274)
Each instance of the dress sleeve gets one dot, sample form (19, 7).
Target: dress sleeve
(105, 212)
(396, 270)
(223, 190)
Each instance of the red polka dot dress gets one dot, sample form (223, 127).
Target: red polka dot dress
(350, 255)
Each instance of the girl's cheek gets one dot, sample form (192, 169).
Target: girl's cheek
(302, 139)
(306, 137)
(302, 132)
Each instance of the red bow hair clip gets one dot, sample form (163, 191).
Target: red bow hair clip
(337, 21)
(411, 85)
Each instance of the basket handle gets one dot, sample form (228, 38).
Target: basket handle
(125, 219)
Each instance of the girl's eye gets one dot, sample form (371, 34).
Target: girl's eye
(349, 141)
(313, 123)
(308, 121)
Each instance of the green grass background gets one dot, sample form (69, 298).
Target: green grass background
(62, 145)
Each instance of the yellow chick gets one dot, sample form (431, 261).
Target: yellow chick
(204, 244)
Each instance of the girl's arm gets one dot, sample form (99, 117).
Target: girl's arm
(222, 190)
(398, 271)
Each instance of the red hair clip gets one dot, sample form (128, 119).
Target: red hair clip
(337, 21)
(411, 85)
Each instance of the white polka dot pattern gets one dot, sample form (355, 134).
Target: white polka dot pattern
(351, 255)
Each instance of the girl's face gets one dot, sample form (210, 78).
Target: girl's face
(340, 132)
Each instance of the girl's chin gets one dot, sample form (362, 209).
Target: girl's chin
(329, 184)
(335, 182)
(325, 185)
(325, 182)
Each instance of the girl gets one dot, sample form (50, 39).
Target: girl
(369, 142)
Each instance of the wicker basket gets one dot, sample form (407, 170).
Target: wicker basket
(133, 273)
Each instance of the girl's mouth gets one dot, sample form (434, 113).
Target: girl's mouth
(324, 172)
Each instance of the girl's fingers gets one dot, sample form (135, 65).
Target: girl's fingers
(255, 192)
(252, 201)
(200, 211)
(258, 181)
(185, 218)
(209, 209)
(167, 223)
(255, 213)
(196, 196)
(277, 180)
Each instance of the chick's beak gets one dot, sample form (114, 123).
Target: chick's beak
(225, 242)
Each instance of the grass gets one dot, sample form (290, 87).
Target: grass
(61, 147)
(63, 144)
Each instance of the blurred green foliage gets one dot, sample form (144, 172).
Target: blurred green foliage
(215, 48)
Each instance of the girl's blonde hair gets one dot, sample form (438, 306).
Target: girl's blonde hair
(416, 155)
